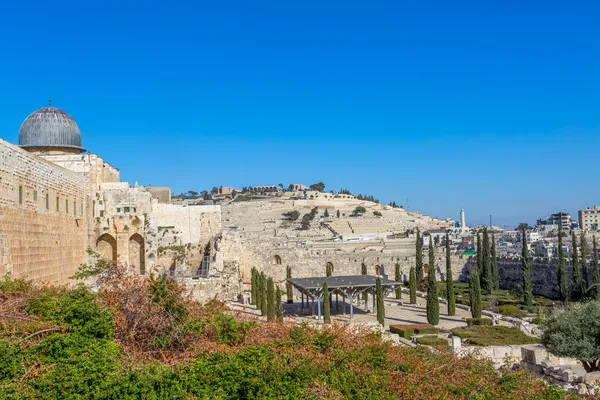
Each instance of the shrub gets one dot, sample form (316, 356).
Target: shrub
(407, 330)
(479, 321)
(226, 329)
(511, 311)
(574, 332)
(493, 335)
(434, 341)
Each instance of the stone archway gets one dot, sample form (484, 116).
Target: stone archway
(378, 270)
(106, 245)
(276, 259)
(329, 268)
(137, 259)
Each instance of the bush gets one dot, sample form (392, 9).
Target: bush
(479, 321)
(493, 335)
(434, 341)
(407, 331)
(511, 311)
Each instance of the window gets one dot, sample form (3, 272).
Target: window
(20, 194)
(134, 209)
(118, 210)
(75, 208)
(67, 206)
(35, 195)
(99, 201)
(47, 201)
(126, 209)
(57, 204)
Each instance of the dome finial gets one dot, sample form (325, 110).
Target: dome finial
(50, 100)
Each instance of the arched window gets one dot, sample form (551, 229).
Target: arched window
(276, 260)
(377, 270)
(329, 269)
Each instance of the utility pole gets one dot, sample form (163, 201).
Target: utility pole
(490, 220)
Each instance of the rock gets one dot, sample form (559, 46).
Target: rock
(533, 353)
(546, 363)
(568, 376)
(591, 377)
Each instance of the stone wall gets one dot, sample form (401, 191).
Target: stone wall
(544, 274)
(43, 228)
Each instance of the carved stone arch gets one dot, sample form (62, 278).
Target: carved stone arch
(378, 270)
(276, 259)
(106, 245)
(329, 268)
(137, 258)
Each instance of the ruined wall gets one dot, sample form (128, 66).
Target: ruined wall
(40, 237)
(544, 274)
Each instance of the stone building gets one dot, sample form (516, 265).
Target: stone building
(58, 201)
(589, 218)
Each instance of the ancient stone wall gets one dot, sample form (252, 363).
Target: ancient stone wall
(43, 228)
(544, 274)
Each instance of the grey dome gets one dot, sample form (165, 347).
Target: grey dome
(50, 127)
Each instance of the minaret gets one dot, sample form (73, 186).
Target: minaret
(463, 224)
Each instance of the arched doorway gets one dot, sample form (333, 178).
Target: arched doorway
(276, 260)
(106, 245)
(329, 268)
(137, 259)
(378, 270)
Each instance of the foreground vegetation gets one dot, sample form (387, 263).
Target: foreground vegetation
(141, 338)
(482, 335)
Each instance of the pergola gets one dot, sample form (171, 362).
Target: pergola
(348, 286)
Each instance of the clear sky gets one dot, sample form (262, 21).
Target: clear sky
(493, 106)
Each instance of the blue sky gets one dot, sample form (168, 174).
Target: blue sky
(491, 106)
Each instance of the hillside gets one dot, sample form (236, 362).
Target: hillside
(142, 338)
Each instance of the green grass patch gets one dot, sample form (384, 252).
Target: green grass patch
(493, 335)
(408, 330)
(434, 341)
(479, 321)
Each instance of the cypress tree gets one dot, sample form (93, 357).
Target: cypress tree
(527, 287)
(576, 283)
(398, 278)
(419, 257)
(253, 286)
(449, 282)
(363, 271)
(264, 304)
(585, 279)
(258, 294)
(495, 272)
(412, 285)
(479, 259)
(288, 286)
(486, 271)
(475, 294)
(433, 304)
(596, 270)
(380, 304)
(562, 273)
(270, 300)
(278, 305)
(326, 305)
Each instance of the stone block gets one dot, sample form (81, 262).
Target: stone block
(533, 353)
(591, 377)
(568, 376)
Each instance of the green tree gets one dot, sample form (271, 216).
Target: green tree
(419, 257)
(449, 282)
(264, 304)
(326, 304)
(412, 285)
(576, 283)
(288, 286)
(475, 294)
(359, 210)
(380, 303)
(363, 271)
(495, 272)
(270, 300)
(433, 304)
(596, 270)
(527, 287)
(574, 333)
(398, 278)
(478, 254)
(583, 263)
(562, 274)
(253, 286)
(318, 187)
(486, 269)
(258, 290)
(278, 305)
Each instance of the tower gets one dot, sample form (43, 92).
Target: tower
(463, 224)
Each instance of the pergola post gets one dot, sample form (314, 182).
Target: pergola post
(351, 311)
(319, 308)
(374, 299)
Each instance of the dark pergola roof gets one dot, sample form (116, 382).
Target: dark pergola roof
(346, 285)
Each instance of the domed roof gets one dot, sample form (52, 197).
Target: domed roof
(50, 127)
